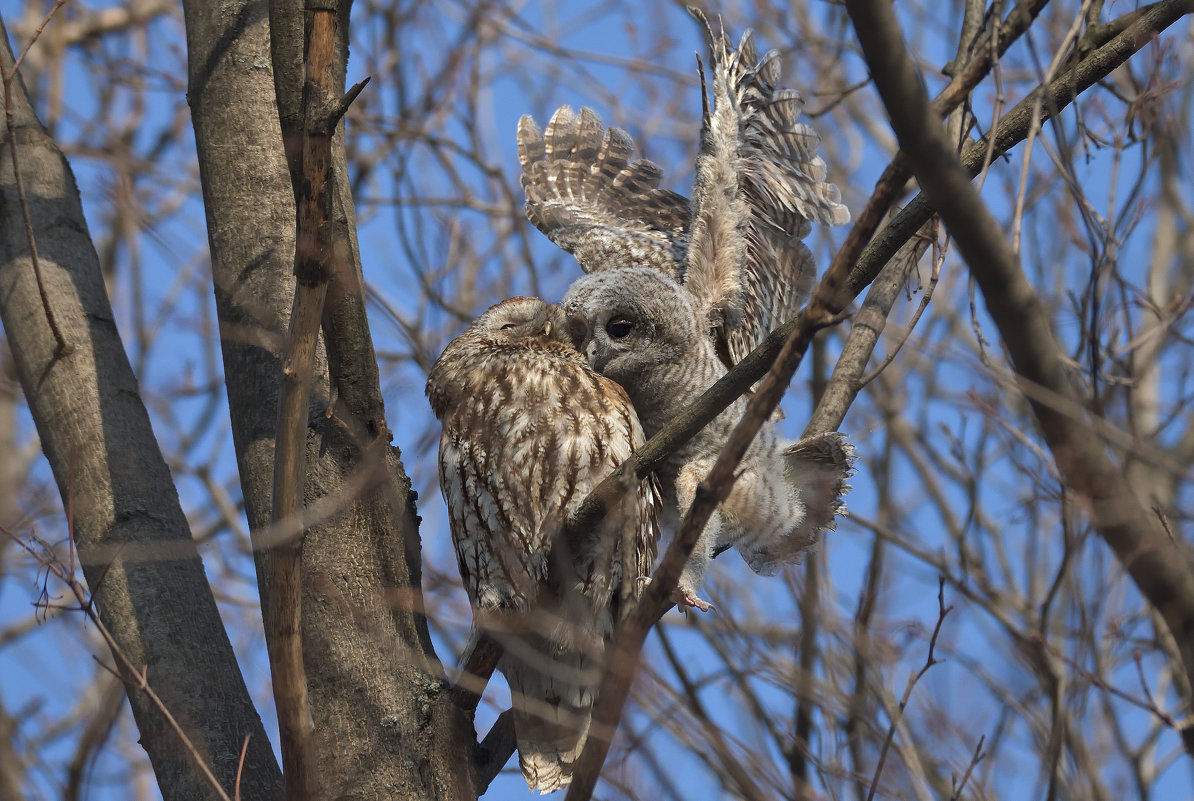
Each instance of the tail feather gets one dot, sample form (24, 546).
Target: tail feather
(552, 697)
(816, 469)
(819, 466)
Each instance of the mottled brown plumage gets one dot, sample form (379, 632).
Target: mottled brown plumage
(529, 430)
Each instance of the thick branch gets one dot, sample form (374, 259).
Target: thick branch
(282, 610)
(134, 543)
(1162, 572)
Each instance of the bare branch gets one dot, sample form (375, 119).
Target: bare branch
(314, 253)
(126, 671)
(1161, 571)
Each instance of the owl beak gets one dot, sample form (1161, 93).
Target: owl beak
(555, 322)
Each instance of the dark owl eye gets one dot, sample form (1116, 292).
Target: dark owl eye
(508, 326)
(619, 328)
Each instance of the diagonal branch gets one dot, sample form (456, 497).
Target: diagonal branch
(828, 302)
(865, 263)
(1163, 573)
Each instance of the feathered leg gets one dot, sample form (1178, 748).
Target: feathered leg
(691, 475)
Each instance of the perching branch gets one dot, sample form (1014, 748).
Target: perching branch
(827, 303)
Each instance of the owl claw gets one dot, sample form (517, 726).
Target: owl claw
(690, 600)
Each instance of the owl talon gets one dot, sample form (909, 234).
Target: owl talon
(690, 600)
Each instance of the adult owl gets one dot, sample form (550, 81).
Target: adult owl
(678, 291)
(529, 430)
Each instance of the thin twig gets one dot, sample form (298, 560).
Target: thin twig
(930, 661)
(240, 767)
(1026, 158)
(974, 760)
(128, 673)
(925, 298)
(1148, 705)
(743, 782)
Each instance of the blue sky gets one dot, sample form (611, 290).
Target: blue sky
(172, 258)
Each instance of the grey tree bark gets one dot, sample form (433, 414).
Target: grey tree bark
(384, 723)
(132, 538)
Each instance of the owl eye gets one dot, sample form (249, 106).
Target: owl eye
(619, 328)
(508, 326)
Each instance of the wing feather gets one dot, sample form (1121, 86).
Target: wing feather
(779, 179)
(585, 194)
(759, 186)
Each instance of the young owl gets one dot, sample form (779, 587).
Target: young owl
(529, 430)
(644, 331)
(679, 291)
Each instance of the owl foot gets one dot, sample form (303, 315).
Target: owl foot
(690, 600)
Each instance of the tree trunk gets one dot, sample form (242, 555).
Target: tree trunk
(385, 725)
(133, 541)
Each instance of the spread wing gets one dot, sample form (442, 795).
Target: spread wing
(759, 186)
(586, 195)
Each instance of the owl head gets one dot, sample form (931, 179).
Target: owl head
(461, 370)
(628, 321)
(515, 319)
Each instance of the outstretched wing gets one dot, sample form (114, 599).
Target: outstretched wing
(586, 195)
(759, 187)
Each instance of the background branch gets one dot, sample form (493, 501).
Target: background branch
(1162, 572)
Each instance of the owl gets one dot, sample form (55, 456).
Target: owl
(678, 291)
(529, 430)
